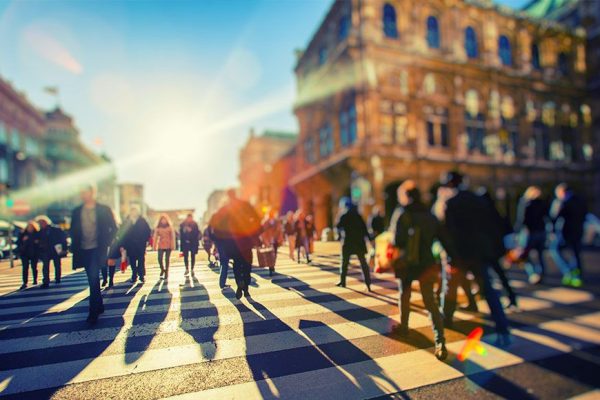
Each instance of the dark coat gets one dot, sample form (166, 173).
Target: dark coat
(377, 224)
(573, 211)
(469, 228)
(353, 231)
(106, 228)
(28, 245)
(49, 237)
(189, 237)
(136, 236)
(532, 215)
(416, 219)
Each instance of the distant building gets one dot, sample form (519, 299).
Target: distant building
(395, 90)
(130, 195)
(265, 166)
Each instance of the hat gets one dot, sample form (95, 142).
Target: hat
(451, 179)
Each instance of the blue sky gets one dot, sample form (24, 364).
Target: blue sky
(169, 89)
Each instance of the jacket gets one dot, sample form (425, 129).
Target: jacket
(106, 230)
(164, 238)
(136, 236)
(573, 211)
(28, 245)
(49, 238)
(354, 232)
(532, 215)
(189, 237)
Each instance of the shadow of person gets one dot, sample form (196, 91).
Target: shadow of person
(36, 372)
(292, 354)
(141, 333)
(200, 324)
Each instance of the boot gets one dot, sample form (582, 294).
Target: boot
(441, 353)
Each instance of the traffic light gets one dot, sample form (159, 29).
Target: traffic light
(10, 203)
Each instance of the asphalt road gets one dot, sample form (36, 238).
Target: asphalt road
(299, 336)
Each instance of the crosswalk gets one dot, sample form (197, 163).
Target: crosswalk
(299, 336)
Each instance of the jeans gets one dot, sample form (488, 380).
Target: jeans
(164, 265)
(435, 316)
(224, 257)
(482, 276)
(556, 252)
(138, 265)
(29, 262)
(346, 254)
(108, 272)
(188, 256)
(91, 262)
(46, 268)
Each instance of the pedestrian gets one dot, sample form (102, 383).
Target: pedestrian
(499, 229)
(353, 231)
(415, 232)
(29, 251)
(115, 253)
(164, 242)
(92, 231)
(135, 240)
(218, 231)
(468, 224)
(568, 213)
(532, 218)
(207, 245)
(311, 232)
(376, 222)
(189, 236)
(302, 230)
(271, 235)
(290, 233)
(53, 246)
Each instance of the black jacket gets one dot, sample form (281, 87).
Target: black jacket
(189, 237)
(49, 237)
(416, 226)
(354, 232)
(532, 215)
(573, 211)
(136, 236)
(376, 224)
(106, 228)
(28, 245)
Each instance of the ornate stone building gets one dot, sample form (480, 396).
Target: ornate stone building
(398, 89)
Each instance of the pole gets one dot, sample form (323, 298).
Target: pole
(10, 242)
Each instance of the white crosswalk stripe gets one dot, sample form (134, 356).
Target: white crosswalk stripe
(337, 339)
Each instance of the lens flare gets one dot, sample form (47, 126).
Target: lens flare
(50, 49)
(473, 343)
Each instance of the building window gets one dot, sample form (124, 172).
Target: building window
(433, 33)
(535, 57)
(325, 140)
(475, 125)
(509, 137)
(541, 134)
(347, 119)
(437, 127)
(471, 43)
(394, 122)
(323, 54)
(309, 151)
(504, 51)
(390, 27)
(563, 64)
(344, 27)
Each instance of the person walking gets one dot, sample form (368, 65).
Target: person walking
(415, 232)
(568, 212)
(468, 224)
(376, 222)
(219, 234)
(271, 235)
(189, 237)
(52, 247)
(532, 218)
(29, 251)
(290, 233)
(353, 231)
(164, 242)
(92, 231)
(135, 240)
(302, 230)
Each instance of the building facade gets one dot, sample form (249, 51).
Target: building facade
(395, 90)
(265, 169)
(130, 195)
(216, 199)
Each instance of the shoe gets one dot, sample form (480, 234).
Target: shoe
(45, 286)
(142, 279)
(238, 292)
(441, 353)
(503, 340)
(566, 280)
(104, 283)
(369, 288)
(186, 273)
(341, 284)
(23, 287)
(401, 330)
(246, 293)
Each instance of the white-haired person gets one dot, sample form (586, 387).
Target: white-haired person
(52, 247)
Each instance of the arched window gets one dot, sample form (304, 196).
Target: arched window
(535, 56)
(471, 43)
(390, 28)
(504, 50)
(563, 64)
(433, 33)
(344, 27)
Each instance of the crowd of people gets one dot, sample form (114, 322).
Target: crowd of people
(458, 240)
